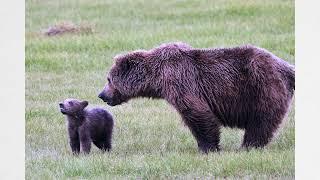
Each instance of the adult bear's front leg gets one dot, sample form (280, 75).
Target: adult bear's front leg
(201, 121)
(204, 129)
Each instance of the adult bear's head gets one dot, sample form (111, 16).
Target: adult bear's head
(129, 77)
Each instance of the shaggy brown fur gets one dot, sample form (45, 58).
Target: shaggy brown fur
(242, 87)
(86, 126)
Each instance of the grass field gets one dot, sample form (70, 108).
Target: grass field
(150, 141)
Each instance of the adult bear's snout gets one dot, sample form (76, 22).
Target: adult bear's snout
(102, 96)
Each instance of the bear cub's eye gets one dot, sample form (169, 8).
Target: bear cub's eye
(109, 81)
(70, 103)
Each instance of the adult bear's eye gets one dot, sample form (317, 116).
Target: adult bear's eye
(70, 103)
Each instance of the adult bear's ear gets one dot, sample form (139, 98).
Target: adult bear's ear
(127, 61)
(133, 59)
(127, 64)
(84, 104)
(123, 62)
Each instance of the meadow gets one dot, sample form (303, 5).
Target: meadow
(150, 140)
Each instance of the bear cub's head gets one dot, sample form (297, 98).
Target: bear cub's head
(72, 106)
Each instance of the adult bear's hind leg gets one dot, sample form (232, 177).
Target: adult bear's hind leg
(103, 145)
(259, 133)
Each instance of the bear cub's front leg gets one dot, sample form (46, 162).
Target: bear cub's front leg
(85, 140)
(74, 140)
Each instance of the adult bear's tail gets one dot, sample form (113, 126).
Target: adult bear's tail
(289, 74)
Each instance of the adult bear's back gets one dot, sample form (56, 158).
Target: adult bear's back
(242, 83)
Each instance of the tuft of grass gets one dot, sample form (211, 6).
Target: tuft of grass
(66, 27)
(149, 140)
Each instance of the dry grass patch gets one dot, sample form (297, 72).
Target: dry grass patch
(67, 27)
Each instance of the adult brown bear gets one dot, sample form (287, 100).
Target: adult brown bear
(244, 87)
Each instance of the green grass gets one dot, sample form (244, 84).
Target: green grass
(150, 141)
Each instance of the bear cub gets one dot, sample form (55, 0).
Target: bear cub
(87, 125)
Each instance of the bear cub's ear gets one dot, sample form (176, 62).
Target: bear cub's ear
(84, 104)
